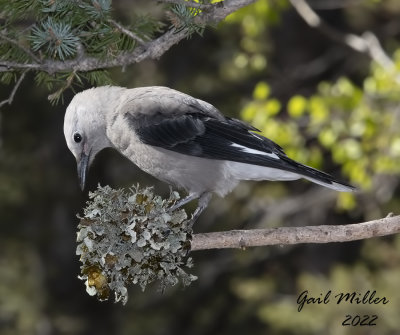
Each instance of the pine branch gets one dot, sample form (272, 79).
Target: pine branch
(10, 99)
(192, 4)
(296, 235)
(54, 97)
(127, 32)
(153, 49)
(21, 47)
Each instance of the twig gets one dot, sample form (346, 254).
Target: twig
(368, 43)
(56, 95)
(191, 4)
(26, 50)
(10, 99)
(127, 32)
(218, 13)
(296, 235)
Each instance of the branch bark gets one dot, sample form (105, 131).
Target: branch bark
(296, 235)
(186, 3)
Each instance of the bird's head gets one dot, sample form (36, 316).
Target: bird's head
(85, 128)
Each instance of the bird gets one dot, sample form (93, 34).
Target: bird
(181, 140)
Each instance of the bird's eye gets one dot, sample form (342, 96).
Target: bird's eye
(77, 137)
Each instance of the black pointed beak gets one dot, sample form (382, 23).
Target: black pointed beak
(83, 167)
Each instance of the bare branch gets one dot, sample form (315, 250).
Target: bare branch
(296, 235)
(218, 13)
(376, 51)
(127, 32)
(368, 43)
(10, 99)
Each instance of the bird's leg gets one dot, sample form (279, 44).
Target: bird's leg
(184, 201)
(202, 205)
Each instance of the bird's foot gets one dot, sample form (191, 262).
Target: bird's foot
(183, 202)
(202, 205)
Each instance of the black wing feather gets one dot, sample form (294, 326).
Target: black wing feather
(203, 136)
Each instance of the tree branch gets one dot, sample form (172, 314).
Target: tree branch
(152, 50)
(368, 43)
(296, 235)
(191, 4)
(127, 32)
(24, 49)
(10, 99)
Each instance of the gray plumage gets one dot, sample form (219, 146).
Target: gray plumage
(178, 139)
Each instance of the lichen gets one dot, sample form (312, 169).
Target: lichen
(132, 237)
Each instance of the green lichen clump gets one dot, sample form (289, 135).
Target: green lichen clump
(131, 237)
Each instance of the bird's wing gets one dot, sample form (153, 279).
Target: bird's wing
(200, 135)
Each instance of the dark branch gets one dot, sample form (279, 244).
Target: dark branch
(368, 43)
(10, 99)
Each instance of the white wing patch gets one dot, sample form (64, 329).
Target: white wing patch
(254, 151)
(243, 171)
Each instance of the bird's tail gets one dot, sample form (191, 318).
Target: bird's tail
(319, 177)
(287, 169)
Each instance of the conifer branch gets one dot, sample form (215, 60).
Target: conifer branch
(191, 4)
(24, 49)
(68, 82)
(296, 235)
(150, 50)
(127, 32)
(10, 99)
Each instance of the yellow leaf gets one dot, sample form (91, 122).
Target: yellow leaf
(272, 106)
(261, 91)
(297, 105)
(327, 137)
(346, 201)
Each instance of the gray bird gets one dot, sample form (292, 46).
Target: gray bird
(181, 140)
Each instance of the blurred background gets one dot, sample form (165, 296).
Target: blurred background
(327, 105)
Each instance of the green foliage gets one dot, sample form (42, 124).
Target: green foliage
(253, 22)
(356, 125)
(66, 30)
(132, 238)
(61, 31)
(238, 292)
(57, 37)
(19, 9)
(182, 17)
